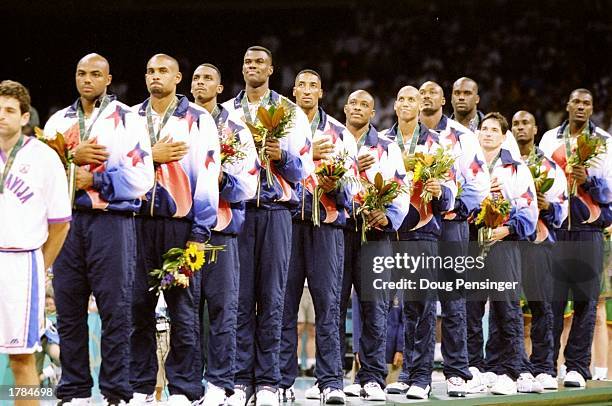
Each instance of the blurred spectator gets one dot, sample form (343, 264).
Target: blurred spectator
(28, 129)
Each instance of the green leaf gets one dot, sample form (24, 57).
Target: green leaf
(173, 253)
(546, 185)
(170, 265)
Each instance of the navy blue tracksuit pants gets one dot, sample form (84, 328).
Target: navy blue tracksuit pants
(577, 267)
(502, 264)
(373, 338)
(264, 249)
(454, 243)
(219, 291)
(537, 285)
(98, 256)
(420, 323)
(156, 235)
(317, 255)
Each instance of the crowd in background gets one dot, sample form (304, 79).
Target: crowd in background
(529, 59)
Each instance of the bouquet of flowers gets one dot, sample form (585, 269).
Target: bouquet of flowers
(334, 168)
(585, 153)
(494, 211)
(425, 166)
(58, 144)
(232, 150)
(180, 264)
(539, 173)
(273, 122)
(377, 196)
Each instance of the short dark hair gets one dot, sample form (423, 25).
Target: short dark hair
(211, 66)
(262, 49)
(581, 90)
(503, 123)
(16, 90)
(311, 71)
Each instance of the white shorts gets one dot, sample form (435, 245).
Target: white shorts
(22, 302)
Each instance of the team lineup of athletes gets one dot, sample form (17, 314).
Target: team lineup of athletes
(149, 178)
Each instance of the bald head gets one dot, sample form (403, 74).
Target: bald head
(465, 99)
(524, 127)
(406, 104)
(162, 75)
(92, 77)
(465, 81)
(362, 94)
(359, 109)
(524, 114)
(97, 60)
(165, 59)
(407, 90)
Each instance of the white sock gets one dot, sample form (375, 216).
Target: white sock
(562, 371)
(600, 373)
(310, 362)
(438, 352)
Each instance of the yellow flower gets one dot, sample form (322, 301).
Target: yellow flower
(194, 258)
(418, 172)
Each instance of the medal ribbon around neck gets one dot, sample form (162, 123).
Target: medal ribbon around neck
(315, 123)
(84, 133)
(492, 166)
(10, 161)
(245, 106)
(413, 141)
(154, 136)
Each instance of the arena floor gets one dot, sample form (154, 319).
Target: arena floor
(597, 393)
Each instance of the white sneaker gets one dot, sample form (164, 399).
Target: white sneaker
(313, 392)
(242, 394)
(397, 388)
(504, 386)
(526, 383)
(416, 392)
(288, 395)
(489, 379)
(373, 391)
(78, 402)
(600, 374)
(332, 396)
(476, 385)
(142, 399)
(456, 387)
(238, 398)
(214, 396)
(178, 400)
(574, 380)
(353, 390)
(547, 381)
(267, 397)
